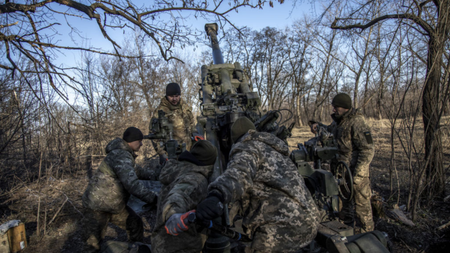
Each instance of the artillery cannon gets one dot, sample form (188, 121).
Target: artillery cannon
(226, 94)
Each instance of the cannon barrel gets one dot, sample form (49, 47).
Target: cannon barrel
(211, 30)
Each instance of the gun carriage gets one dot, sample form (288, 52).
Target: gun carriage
(326, 181)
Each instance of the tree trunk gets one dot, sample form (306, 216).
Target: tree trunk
(435, 180)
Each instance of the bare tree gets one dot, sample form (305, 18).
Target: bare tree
(28, 30)
(431, 18)
(328, 68)
(300, 60)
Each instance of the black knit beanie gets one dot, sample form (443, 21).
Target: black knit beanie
(342, 100)
(173, 89)
(132, 134)
(240, 127)
(204, 151)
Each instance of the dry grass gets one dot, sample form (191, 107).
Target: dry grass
(64, 194)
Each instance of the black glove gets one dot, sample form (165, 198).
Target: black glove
(153, 199)
(151, 206)
(209, 208)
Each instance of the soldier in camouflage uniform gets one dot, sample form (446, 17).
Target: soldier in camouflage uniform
(356, 148)
(179, 114)
(109, 189)
(185, 184)
(264, 184)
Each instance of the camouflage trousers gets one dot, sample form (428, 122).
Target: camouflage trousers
(94, 226)
(362, 206)
(281, 238)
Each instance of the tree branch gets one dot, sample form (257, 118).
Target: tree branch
(428, 29)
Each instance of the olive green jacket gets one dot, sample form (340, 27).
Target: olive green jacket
(112, 183)
(182, 119)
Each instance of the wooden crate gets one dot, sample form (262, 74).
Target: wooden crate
(17, 238)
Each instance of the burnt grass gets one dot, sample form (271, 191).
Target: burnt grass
(58, 199)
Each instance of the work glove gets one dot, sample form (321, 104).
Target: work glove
(209, 208)
(197, 137)
(176, 223)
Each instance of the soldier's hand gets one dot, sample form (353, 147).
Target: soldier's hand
(314, 128)
(197, 137)
(154, 199)
(176, 223)
(209, 208)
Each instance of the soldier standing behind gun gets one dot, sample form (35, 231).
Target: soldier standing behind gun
(277, 208)
(109, 189)
(355, 148)
(179, 114)
(185, 183)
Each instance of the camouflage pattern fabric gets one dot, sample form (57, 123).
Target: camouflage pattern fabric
(108, 192)
(277, 209)
(111, 185)
(356, 149)
(183, 123)
(94, 226)
(184, 186)
(151, 173)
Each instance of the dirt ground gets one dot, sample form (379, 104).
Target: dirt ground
(59, 203)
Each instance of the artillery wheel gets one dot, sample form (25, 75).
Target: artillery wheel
(344, 178)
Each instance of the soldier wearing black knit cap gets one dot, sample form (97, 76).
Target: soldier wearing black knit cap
(106, 196)
(356, 148)
(179, 115)
(184, 184)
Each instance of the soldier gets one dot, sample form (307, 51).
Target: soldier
(356, 149)
(264, 184)
(179, 114)
(185, 184)
(109, 189)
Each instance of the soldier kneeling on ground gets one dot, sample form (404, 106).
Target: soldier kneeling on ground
(185, 183)
(106, 196)
(261, 180)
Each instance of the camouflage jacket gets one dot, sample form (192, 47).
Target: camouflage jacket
(354, 140)
(184, 186)
(182, 119)
(112, 183)
(265, 185)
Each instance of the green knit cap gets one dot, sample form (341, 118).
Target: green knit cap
(204, 151)
(342, 100)
(241, 127)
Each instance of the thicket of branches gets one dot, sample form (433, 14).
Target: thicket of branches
(384, 68)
